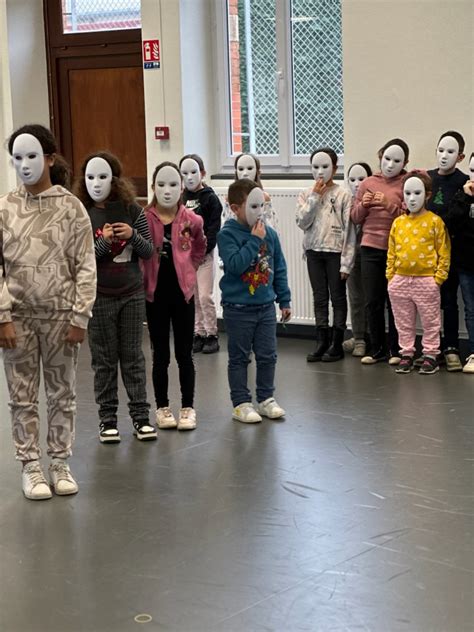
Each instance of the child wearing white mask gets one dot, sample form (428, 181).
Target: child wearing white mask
(356, 174)
(378, 202)
(170, 281)
(447, 181)
(417, 265)
(121, 238)
(201, 199)
(47, 290)
(323, 213)
(460, 222)
(247, 167)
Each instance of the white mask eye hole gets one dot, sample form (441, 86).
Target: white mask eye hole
(89, 177)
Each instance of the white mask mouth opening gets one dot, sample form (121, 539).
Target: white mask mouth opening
(254, 206)
(168, 187)
(414, 194)
(98, 177)
(393, 161)
(191, 174)
(246, 168)
(356, 175)
(322, 167)
(447, 153)
(28, 158)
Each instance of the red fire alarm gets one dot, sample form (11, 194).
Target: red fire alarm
(162, 132)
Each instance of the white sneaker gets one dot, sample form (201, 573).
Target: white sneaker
(349, 345)
(269, 408)
(187, 419)
(394, 360)
(165, 418)
(34, 484)
(246, 413)
(359, 348)
(469, 366)
(61, 478)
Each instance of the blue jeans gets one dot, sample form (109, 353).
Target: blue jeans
(250, 328)
(466, 281)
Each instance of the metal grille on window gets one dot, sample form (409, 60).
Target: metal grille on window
(100, 15)
(317, 75)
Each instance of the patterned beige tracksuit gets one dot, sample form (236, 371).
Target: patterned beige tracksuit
(47, 283)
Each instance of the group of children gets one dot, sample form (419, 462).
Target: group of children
(95, 260)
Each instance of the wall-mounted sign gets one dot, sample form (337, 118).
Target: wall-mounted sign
(151, 54)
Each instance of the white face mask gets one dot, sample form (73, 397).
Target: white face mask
(98, 179)
(392, 162)
(28, 158)
(447, 153)
(322, 167)
(414, 194)
(357, 173)
(168, 187)
(246, 168)
(471, 169)
(254, 206)
(191, 174)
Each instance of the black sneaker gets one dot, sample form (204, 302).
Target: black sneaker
(143, 431)
(108, 432)
(405, 365)
(429, 366)
(211, 344)
(198, 343)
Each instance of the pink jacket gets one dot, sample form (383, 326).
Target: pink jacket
(377, 220)
(189, 248)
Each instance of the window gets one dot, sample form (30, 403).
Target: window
(283, 78)
(100, 15)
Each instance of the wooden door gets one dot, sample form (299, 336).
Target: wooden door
(96, 94)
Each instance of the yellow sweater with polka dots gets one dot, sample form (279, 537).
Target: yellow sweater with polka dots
(419, 245)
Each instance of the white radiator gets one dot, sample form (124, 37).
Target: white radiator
(291, 237)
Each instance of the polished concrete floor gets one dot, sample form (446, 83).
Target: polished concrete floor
(355, 513)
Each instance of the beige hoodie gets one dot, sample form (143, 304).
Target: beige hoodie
(47, 260)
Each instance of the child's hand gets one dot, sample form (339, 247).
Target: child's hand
(108, 232)
(469, 187)
(122, 231)
(319, 187)
(344, 276)
(367, 199)
(259, 229)
(75, 335)
(7, 336)
(266, 197)
(285, 314)
(380, 199)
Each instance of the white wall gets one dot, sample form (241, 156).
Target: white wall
(28, 68)
(7, 178)
(408, 72)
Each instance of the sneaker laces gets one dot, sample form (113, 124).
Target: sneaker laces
(62, 472)
(166, 411)
(185, 412)
(35, 475)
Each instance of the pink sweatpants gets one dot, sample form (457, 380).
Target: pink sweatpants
(408, 296)
(205, 323)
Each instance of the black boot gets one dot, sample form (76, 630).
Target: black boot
(322, 344)
(335, 351)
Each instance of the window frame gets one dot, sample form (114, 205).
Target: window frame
(286, 161)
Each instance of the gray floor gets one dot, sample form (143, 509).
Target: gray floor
(356, 513)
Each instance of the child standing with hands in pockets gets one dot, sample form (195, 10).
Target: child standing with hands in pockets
(255, 275)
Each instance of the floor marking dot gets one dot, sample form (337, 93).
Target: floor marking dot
(143, 618)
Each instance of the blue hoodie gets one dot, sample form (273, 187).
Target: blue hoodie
(254, 269)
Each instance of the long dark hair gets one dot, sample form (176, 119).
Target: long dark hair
(122, 189)
(166, 163)
(59, 172)
(257, 164)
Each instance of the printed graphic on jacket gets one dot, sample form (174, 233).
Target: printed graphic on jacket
(260, 271)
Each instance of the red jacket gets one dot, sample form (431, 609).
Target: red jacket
(189, 248)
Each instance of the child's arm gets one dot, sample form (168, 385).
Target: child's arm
(214, 212)
(85, 274)
(390, 270)
(141, 241)
(280, 276)
(270, 215)
(237, 259)
(306, 208)
(350, 238)
(227, 213)
(5, 298)
(458, 211)
(443, 248)
(199, 242)
(359, 212)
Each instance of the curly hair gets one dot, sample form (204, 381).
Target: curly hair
(122, 189)
(423, 176)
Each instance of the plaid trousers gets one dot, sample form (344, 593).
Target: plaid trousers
(115, 337)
